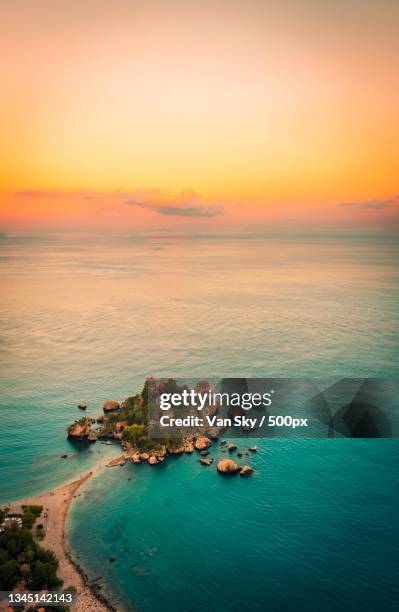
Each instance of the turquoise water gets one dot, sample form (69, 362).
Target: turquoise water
(88, 320)
(315, 528)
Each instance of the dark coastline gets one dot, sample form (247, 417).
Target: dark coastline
(93, 588)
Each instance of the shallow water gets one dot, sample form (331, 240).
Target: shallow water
(88, 320)
(315, 528)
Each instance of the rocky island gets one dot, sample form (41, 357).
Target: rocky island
(128, 423)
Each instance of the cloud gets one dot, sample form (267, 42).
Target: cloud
(182, 210)
(185, 203)
(379, 204)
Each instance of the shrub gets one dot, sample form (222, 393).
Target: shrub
(28, 519)
(9, 574)
(33, 509)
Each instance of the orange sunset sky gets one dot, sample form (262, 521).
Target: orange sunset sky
(222, 115)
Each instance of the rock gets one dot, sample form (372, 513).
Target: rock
(214, 433)
(202, 443)
(64, 456)
(206, 461)
(227, 466)
(246, 470)
(82, 406)
(188, 447)
(239, 454)
(153, 460)
(144, 456)
(252, 448)
(100, 419)
(232, 447)
(175, 451)
(111, 559)
(204, 453)
(117, 461)
(136, 458)
(81, 430)
(223, 442)
(111, 405)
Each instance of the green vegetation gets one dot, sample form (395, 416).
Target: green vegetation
(34, 509)
(134, 413)
(135, 434)
(172, 443)
(133, 410)
(22, 560)
(30, 514)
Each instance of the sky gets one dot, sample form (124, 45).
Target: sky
(196, 115)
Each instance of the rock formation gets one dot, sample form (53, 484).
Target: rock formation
(202, 443)
(81, 430)
(111, 405)
(227, 466)
(246, 470)
(176, 450)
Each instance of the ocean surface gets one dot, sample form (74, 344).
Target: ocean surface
(84, 319)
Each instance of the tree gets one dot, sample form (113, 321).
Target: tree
(171, 386)
(144, 393)
(39, 576)
(35, 509)
(134, 433)
(9, 574)
(29, 554)
(3, 555)
(28, 519)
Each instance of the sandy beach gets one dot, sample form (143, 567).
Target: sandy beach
(56, 504)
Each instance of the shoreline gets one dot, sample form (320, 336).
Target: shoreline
(56, 505)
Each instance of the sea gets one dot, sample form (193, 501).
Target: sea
(87, 318)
